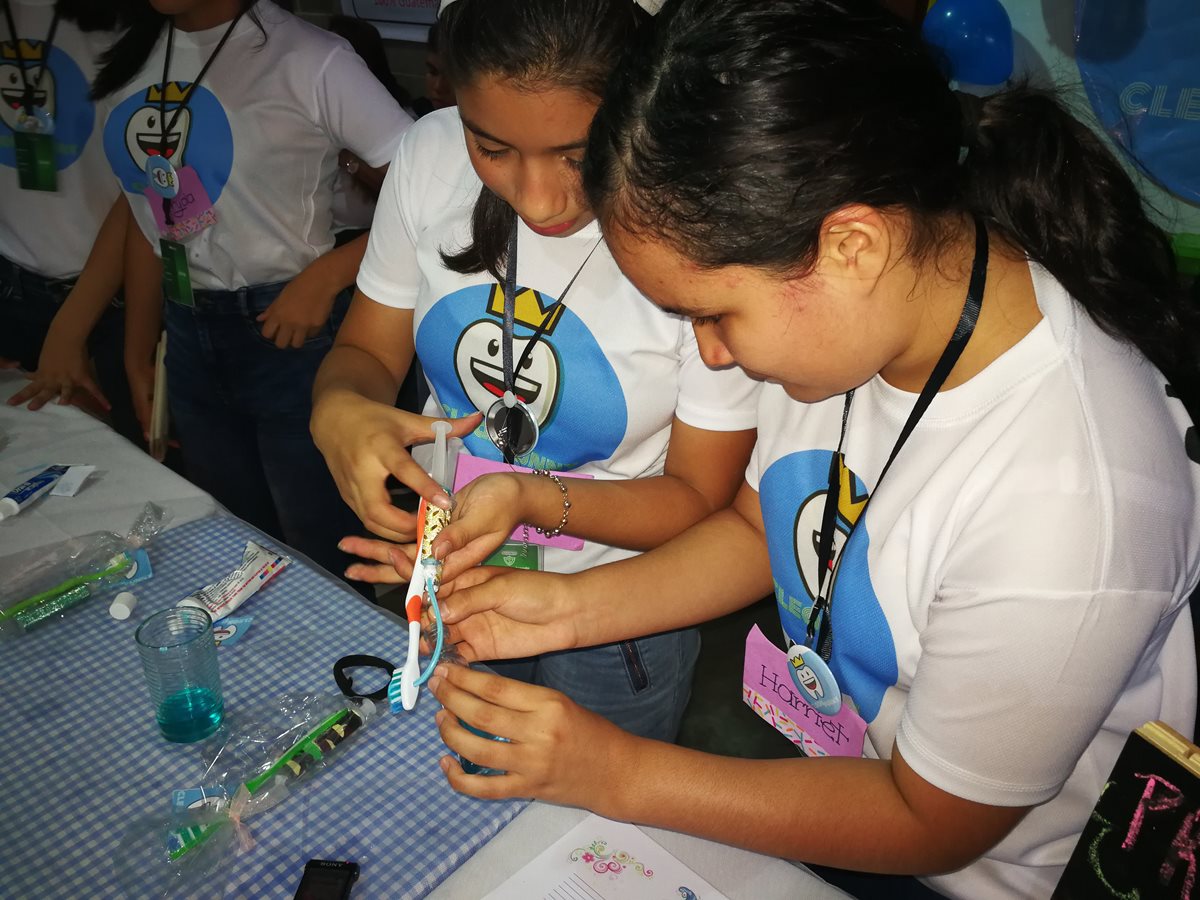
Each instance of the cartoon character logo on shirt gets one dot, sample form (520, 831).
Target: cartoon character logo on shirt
(792, 495)
(159, 129)
(478, 357)
(197, 135)
(567, 382)
(60, 88)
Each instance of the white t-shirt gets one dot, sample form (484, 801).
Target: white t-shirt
(1014, 602)
(262, 132)
(604, 382)
(52, 233)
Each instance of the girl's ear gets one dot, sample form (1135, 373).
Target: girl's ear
(855, 246)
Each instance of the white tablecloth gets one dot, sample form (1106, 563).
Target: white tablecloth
(110, 501)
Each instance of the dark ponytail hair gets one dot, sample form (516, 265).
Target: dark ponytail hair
(564, 44)
(125, 58)
(738, 127)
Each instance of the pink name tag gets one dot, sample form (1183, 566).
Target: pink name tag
(471, 467)
(191, 210)
(769, 688)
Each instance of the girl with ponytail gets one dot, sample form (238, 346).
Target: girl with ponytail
(974, 493)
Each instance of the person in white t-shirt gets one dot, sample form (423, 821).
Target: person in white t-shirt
(974, 494)
(616, 387)
(48, 57)
(224, 123)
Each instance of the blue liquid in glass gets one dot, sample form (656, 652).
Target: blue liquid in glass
(190, 714)
(471, 768)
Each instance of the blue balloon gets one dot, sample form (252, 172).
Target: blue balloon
(976, 38)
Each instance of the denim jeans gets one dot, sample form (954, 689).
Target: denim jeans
(240, 407)
(642, 685)
(29, 303)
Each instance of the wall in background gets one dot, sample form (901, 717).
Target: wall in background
(1044, 33)
(407, 60)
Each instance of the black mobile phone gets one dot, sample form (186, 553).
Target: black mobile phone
(327, 879)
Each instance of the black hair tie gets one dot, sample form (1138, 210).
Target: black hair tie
(356, 660)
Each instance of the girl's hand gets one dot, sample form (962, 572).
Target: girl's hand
(550, 734)
(384, 562)
(497, 613)
(300, 311)
(364, 443)
(485, 513)
(62, 368)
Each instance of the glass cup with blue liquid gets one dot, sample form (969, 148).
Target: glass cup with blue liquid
(179, 657)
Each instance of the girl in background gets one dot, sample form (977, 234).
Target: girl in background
(224, 123)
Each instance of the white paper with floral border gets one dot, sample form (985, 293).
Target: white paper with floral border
(600, 859)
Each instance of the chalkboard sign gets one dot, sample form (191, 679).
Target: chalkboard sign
(1143, 838)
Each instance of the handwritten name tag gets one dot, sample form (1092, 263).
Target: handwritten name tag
(769, 688)
(191, 210)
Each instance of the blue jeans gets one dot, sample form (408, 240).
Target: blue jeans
(642, 685)
(240, 407)
(28, 304)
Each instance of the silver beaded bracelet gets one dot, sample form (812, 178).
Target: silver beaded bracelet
(562, 524)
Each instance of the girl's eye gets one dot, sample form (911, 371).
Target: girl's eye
(487, 152)
(573, 163)
(705, 320)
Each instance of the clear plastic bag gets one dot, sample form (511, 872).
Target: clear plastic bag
(255, 761)
(43, 583)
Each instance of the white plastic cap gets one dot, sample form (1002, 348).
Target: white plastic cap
(122, 605)
(8, 507)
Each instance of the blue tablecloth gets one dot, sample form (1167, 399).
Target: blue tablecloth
(81, 757)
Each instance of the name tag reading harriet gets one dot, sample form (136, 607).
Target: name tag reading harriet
(798, 702)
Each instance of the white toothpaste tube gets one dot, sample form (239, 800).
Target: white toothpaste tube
(259, 565)
(28, 491)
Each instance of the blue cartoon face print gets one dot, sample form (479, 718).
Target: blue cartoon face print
(567, 382)
(60, 89)
(197, 136)
(792, 495)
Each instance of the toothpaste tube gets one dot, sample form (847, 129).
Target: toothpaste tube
(259, 565)
(26, 492)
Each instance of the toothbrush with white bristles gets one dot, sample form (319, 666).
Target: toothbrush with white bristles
(426, 576)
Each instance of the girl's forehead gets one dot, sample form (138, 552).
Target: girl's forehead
(547, 117)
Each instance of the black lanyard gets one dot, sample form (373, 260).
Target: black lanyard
(162, 100)
(510, 312)
(958, 342)
(47, 45)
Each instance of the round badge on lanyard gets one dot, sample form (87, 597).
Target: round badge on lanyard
(38, 122)
(814, 680)
(511, 426)
(163, 178)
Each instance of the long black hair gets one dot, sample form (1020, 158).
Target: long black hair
(738, 126)
(91, 15)
(564, 44)
(125, 58)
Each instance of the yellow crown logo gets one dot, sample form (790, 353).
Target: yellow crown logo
(28, 50)
(530, 310)
(850, 502)
(175, 93)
